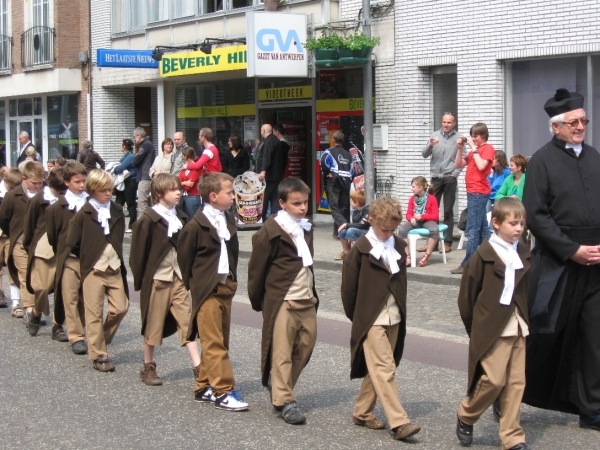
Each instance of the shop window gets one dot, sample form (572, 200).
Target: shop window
(25, 106)
(444, 87)
(12, 108)
(532, 84)
(63, 131)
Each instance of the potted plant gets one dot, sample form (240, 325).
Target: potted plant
(325, 49)
(356, 49)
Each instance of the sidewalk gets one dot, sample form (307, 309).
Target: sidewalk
(326, 248)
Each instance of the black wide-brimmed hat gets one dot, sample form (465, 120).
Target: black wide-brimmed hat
(562, 102)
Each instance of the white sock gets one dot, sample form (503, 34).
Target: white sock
(15, 294)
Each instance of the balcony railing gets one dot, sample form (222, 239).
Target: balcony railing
(5, 53)
(37, 47)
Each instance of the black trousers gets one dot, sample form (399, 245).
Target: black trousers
(446, 188)
(271, 198)
(128, 195)
(339, 204)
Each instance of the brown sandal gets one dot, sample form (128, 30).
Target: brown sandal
(424, 260)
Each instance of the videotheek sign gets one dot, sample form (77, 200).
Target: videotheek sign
(274, 43)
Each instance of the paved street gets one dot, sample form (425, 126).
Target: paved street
(54, 399)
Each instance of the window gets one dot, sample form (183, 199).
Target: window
(5, 47)
(211, 6)
(240, 3)
(41, 13)
(158, 10)
(4, 17)
(183, 8)
(137, 13)
(444, 88)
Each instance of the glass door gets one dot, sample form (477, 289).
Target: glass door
(16, 126)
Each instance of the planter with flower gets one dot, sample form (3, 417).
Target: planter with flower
(356, 49)
(325, 50)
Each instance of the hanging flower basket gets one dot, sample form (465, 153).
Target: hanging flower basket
(349, 57)
(326, 58)
(325, 50)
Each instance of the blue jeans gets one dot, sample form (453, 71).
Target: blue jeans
(191, 204)
(477, 225)
(351, 234)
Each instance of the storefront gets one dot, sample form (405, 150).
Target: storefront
(50, 121)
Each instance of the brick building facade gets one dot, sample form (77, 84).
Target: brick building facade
(44, 86)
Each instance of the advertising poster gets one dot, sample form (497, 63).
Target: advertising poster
(328, 84)
(295, 135)
(249, 198)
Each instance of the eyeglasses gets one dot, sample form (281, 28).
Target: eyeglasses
(574, 123)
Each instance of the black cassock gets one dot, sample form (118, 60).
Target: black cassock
(562, 200)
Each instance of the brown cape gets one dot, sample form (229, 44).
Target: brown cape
(33, 230)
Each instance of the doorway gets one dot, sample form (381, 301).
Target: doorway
(297, 124)
(16, 127)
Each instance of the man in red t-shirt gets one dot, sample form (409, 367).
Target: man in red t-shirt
(209, 160)
(478, 160)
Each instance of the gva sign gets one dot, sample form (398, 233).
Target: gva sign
(267, 43)
(275, 44)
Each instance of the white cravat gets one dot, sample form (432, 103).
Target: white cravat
(384, 250)
(508, 253)
(103, 210)
(49, 196)
(27, 193)
(170, 215)
(576, 148)
(75, 201)
(217, 220)
(296, 228)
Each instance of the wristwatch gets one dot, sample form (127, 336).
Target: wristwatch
(475, 152)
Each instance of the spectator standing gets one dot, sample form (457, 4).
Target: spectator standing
(142, 161)
(237, 160)
(88, 157)
(176, 158)
(209, 161)
(477, 160)
(272, 168)
(189, 183)
(128, 194)
(25, 144)
(563, 213)
(337, 169)
(442, 147)
(514, 183)
(497, 176)
(278, 132)
(164, 161)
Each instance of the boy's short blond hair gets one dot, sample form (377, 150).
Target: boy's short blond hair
(385, 209)
(98, 180)
(33, 169)
(358, 197)
(212, 182)
(13, 177)
(163, 183)
(506, 207)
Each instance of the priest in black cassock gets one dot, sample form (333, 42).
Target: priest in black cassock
(562, 200)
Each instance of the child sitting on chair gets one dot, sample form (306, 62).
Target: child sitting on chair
(350, 232)
(422, 212)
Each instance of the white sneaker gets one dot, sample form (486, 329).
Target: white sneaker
(231, 401)
(206, 395)
(128, 230)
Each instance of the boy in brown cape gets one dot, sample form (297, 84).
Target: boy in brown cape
(164, 301)
(96, 236)
(41, 262)
(11, 178)
(12, 217)
(207, 253)
(281, 285)
(68, 299)
(374, 299)
(493, 306)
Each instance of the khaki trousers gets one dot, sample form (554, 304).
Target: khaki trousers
(95, 286)
(214, 323)
(294, 337)
(380, 382)
(4, 247)
(73, 300)
(503, 376)
(20, 259)
(167, 296)
(42, 282)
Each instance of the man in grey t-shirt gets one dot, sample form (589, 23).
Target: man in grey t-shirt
(442, 148)
(177, 159)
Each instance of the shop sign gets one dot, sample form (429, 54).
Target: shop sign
(275, 44)
(342, 104)
(108, 57)
(286, 93)
(190, 63)
(193, 112)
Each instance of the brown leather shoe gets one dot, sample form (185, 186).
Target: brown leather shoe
(370, 424)
(407, 430)
(447, 247)
(458, 270)
(149, 376)
(103, 364)
(422, 249)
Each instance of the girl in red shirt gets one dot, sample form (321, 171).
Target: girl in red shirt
(189, 182)
(422, 212)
